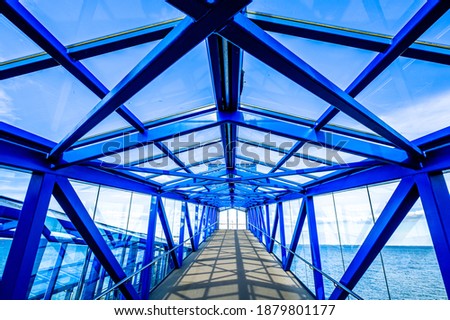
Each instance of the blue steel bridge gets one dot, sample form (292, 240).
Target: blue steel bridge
(224, 149)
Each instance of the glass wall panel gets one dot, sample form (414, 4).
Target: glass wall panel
(223, 220)
(411, 266)
(302, 270)
(242, 220)
(13, 188)
(329, 241)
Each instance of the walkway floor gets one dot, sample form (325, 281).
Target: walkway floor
(234, 266)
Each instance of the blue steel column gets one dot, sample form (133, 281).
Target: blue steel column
(25, 245)
(149, 254)
(436, 203)
(315, 249)
(167, 232)
(296, 236)
(282, 232)
(258, 224)
(189, 226)
(392, 215)
(181, 238)
(75, 210)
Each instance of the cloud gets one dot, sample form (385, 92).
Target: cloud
(7, 112)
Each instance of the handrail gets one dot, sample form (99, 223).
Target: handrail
(118, 284)
(335, 282)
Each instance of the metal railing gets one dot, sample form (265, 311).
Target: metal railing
(311, 266)
(131, 276)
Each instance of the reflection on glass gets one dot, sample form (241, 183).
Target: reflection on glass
(386, 17)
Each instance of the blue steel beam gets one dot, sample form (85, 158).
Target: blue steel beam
(25, 245)
(149, 253)
(301, 217)
(428, 14)
(132, 140)
(248, 36)
(267, 217)
(183, 38)
(75, 210)
(390, 218)
(282, 232)
(189, 225)
(367, 136)
(328, 140)
(29, 25)
(161, 146)
(315, 248)
(167, 232)
(436, 203)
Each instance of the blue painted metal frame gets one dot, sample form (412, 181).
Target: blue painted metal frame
(149, 253)
(21, 260)
(74, 209)
(315, 248)
(296, 235)
(244, 33)
(167, 232)
(416, 26)
(436, 203)
(390, 218)
(345, 36)
(181, 237)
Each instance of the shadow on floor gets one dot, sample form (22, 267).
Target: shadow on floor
(233, 266)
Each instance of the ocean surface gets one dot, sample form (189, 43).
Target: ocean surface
(399, 273)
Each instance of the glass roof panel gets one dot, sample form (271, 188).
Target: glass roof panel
(130, 156)
(269, 89)
(186, 85)
(49, 103)
(74, 21)
(335, 157)
(340, 64)
(193, 139)
(266, 138)
(381, 16)
(164, 179)
(162, 164)
(258, 154)
(411, 96)
(14, 43)
(297, 163)
(439, 32)
(343, 120)
(112, 67)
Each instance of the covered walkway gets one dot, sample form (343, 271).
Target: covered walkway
(232, 265)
